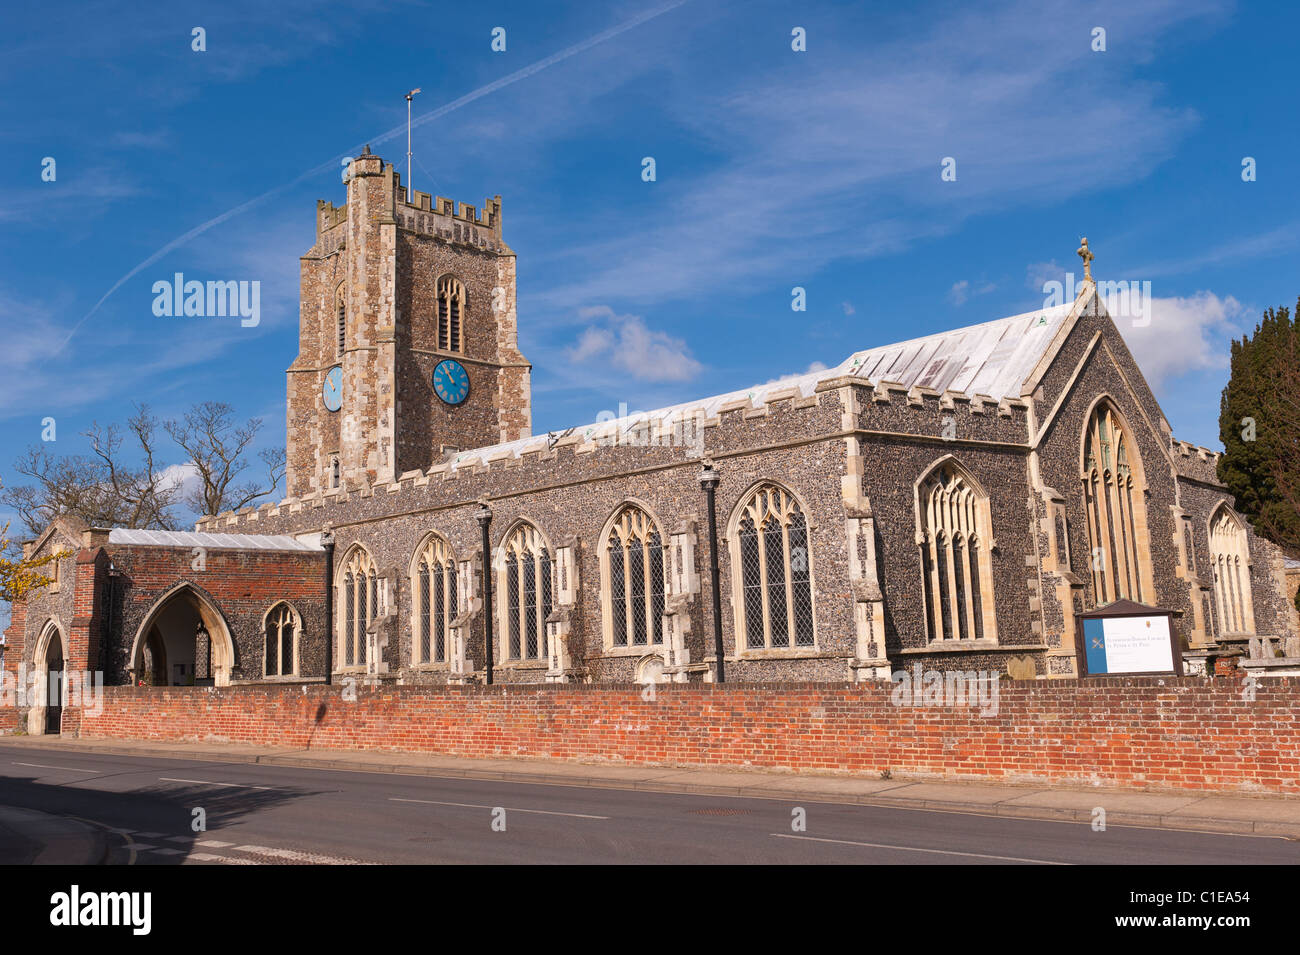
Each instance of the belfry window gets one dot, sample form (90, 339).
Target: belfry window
(358, 599)
(340, 322)
(633, 569)
(525, 601)
(1116, 512)
(1230, 559)
(435, 605)
(958, 569)
(282, 628)
(451, 312)
(770, 547)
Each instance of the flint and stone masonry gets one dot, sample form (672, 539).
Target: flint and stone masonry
(953, 500)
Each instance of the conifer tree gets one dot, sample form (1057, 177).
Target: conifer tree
(1259, 425)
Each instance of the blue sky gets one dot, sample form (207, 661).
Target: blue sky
(775, 169)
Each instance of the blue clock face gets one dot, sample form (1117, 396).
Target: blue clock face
(332, 390)
(451, 381)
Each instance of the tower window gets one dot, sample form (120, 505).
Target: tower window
(334, 470)
(451, 310)
(340, 321)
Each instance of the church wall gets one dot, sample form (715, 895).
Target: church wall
(426, 424)
(1061, 464)
(243, 585)
(1163, 733)
(55, 603)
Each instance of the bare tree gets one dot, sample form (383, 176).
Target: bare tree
(216, 447)
(100, 488)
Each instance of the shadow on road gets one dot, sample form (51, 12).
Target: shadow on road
(165, 816)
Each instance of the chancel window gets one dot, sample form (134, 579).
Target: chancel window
(958, 568)
(358, 600)
(770, 546)
(282, 627)
(1116, 513)
(1230, 559)
(634, 580)
(525, 601)
(435, 601)
(451, 312)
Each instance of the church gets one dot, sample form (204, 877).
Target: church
(951, 501)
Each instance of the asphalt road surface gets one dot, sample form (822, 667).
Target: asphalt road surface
(145, 809)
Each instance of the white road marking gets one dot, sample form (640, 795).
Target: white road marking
(208, 782)
(942, 852)
(470, 805)
(209, 857)
(294, 855)
(213, 843)
(71, 769)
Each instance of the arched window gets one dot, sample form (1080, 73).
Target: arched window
(435, 603)
(525, 601)
(281, 633)
(340, 321)
(770, 548)
(451, 310)
(1230, 559)
(1112, 493)
(632, 566)
(955, 534)
(358, 601)
(335, 474)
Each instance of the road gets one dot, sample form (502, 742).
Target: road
(146, 808)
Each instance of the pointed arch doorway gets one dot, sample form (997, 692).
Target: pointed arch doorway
(183, 641)
(46, 716)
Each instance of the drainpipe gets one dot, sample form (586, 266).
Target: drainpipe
(709, 481)
(327, 541)
(484, 517)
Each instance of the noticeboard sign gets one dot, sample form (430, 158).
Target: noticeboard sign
(1128, 640)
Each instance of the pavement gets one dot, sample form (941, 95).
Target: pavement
(31, 837)
(1246, 814)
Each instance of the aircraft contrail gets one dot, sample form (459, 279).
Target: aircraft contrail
(443, 110)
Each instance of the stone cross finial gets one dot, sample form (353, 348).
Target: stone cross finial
(1085, 253)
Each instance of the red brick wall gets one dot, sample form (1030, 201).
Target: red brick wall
(1165, 734)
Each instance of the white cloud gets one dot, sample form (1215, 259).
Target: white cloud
(959, 292)
(626, 342)
(848, 308)
(184, 477)
(858, 154)
(815, 366)
(1039, 274)
(1183, 335)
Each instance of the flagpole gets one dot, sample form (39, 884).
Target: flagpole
(410, 191)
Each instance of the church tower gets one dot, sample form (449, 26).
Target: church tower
(407, 345)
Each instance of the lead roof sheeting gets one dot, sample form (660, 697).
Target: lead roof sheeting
(992, 359)
(214, 541)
